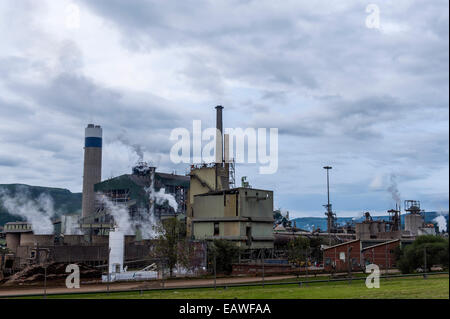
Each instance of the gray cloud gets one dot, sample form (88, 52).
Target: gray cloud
(367, 101)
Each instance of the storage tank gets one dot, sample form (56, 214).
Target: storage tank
(116, 251)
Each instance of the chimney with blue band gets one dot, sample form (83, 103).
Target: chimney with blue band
(92, 173)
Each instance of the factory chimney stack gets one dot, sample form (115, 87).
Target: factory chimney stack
(219, 135)
(92, 173)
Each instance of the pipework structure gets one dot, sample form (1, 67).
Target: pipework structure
(92, 172)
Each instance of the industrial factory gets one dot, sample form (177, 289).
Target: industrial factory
(115, 230)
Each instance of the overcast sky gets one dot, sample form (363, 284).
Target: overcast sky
(371, 102)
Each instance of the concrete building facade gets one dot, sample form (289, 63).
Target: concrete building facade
(241, 215)
(413, 222)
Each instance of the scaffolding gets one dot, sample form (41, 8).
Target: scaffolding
(232, 180)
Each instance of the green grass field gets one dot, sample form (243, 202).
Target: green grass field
(436, 287)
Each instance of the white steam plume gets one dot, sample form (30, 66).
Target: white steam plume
(441, 222)
(160, 197)
(121, 216)
(358, 216)
(125, 224)
(38, 212)
(71, 225)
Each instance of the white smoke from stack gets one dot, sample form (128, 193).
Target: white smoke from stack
(358, 216)
(136, 148)
(160, 197)
(120, 214)
(145, 221)
(71, 225)
(441, 222)
(38, 212)
(394, 190)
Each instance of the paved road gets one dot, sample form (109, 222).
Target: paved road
(174, 283)
(13, 291)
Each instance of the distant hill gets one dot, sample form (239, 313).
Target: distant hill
(64, 200)
(307, 223)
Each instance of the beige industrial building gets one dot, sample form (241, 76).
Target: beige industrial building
(241, 215)
(413, 223)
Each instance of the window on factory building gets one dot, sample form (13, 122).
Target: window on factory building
(216, 229)
(248, 232)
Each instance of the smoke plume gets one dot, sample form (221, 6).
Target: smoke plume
(136, 148)
(120, 214)
(161, 197)
(144, 221)
(38, 212)
(70, 225)
(393, 189)
(441, 222)
(358, 216)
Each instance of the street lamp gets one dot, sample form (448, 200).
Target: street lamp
(328, 206)
(328, 184)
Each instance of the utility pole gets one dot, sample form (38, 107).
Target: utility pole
(349, 249)
(163, 274)
(45, 282)
(215, 274)
(306, 263)
(109, 275)
(262, 259)
(386, 259)
(425, 257)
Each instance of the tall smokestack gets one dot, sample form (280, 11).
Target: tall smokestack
(92, 173)
(219, 135)
(226, 148)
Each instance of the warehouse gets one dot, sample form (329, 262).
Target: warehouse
(383, 255)
(343, 257)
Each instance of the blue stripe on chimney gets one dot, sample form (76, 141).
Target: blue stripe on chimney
(93, 142)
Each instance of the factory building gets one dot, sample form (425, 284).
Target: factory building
(414, 221)
(370, 229)
(132, 190)
(342, 257)
(241, 215)
(382, 255)
(13, 231)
